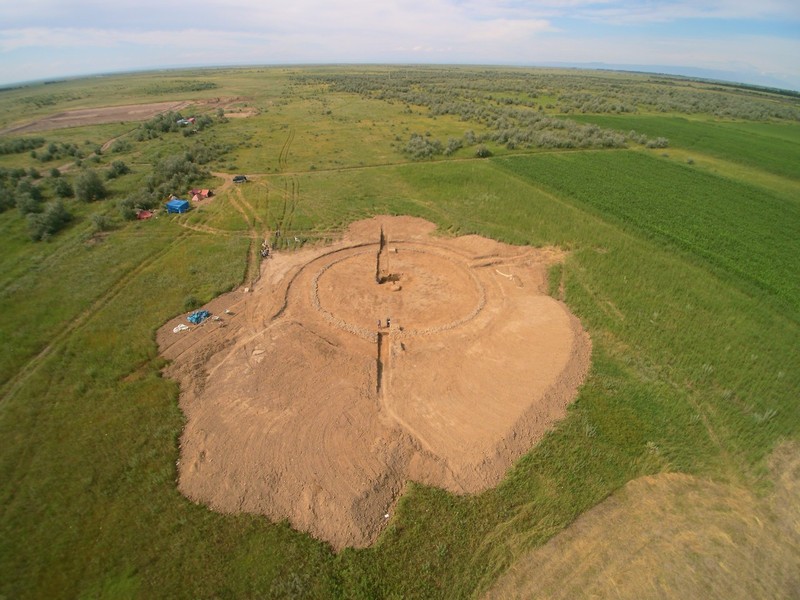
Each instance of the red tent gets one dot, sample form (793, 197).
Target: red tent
(198, 194)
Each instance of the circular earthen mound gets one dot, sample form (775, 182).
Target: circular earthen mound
(422, 289)
(392, 355)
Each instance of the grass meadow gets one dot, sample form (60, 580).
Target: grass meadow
(684, 276)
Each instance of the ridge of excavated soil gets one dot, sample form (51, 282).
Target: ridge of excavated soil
(303, 403)
(673, 535)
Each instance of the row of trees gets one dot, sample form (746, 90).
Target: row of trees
(61, 151)
(170, 122)
(420, 147)
(565, 92)
(20, 145)
(509, 122)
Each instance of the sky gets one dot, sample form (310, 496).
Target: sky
(749, 41)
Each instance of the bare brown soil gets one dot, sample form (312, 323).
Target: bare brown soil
(96, 116)
(81, 117)
(674, 536)
(301, 403)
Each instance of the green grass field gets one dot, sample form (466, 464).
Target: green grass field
(686, 280)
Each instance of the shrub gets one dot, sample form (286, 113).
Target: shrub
(6, 198)
(43, 225)
(26, 187)
(420, 147)
(659, 142)
(27, 204)
(117, 169)
(20, 145)
(482, 152)
(453, 144)
(128, 207)
(101, 222)
(127, 210)
(63, 189)
(121, 146)
(89, 187)
(190, 303)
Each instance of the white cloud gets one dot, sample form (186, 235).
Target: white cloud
(631, 11)
(102, 35)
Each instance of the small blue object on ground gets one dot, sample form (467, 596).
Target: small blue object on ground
(176, 205)
(198, 316)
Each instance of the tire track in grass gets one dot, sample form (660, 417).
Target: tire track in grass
(291, 186)
(252, 269)
(251, 217)
(283, 156)
(210, 230)
(291, 198)
(294, 200)
(13, 385)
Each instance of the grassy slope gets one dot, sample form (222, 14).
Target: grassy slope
(691, 372)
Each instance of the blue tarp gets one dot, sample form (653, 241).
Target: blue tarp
(198, 316)
(177, 206)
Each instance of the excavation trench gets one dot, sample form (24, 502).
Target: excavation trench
(288, 403)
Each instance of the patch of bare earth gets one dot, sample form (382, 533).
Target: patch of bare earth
(96, 116)
(305, 404)
(674, 536)
(81, 117)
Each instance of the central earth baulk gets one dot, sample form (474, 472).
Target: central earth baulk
(391, 355)
(421, 289)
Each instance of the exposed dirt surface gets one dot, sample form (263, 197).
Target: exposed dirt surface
(303, 403)
(133, 112)
(674, 536)
(96, 116)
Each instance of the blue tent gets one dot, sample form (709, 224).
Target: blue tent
(177, 206)
(198, 316)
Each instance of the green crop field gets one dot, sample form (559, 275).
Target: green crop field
(684, 275)
(773, 147)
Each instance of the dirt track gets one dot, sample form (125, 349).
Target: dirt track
(300, 405)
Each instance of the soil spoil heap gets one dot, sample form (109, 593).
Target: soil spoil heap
(391, 355)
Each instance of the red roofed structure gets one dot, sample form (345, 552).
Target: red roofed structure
(198, 194)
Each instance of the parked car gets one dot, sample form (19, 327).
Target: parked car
(240, 179)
